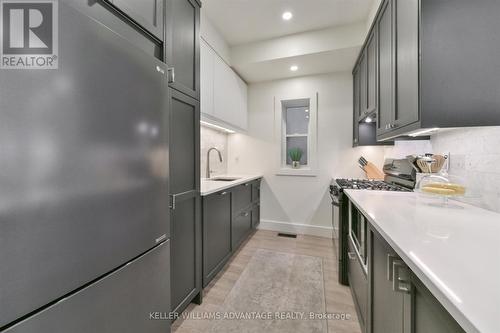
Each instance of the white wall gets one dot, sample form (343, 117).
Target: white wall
(213, 138)
(292, 199)
(372, 13)
(210, 34)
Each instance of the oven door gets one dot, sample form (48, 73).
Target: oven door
(358, 234)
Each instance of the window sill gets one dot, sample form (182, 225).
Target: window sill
(302, 172)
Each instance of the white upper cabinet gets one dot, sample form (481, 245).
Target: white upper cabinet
(223, 92)
(207, 58)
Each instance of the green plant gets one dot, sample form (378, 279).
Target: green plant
(295, 154)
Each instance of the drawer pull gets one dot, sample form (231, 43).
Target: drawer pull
(247, 184)
(223, 193)
(400, 277)
(246, 214)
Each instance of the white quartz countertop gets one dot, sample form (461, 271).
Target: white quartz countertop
(211, 186)
(455, 252)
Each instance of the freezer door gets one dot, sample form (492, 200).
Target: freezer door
(83, 165)
(133, 299)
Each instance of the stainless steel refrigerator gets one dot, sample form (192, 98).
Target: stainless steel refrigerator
(84, 217)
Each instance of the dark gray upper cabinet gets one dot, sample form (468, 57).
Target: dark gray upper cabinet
(385, 67)
(146, 13)
(363, 86)
(372, 73)
(406, 111)
(182, 46)
(216, 233)
(436, 65)
(185, 215)
(356, 105)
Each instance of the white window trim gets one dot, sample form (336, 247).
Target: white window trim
(282, 168)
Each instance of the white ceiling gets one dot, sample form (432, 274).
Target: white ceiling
(244, 21)
(316, 63)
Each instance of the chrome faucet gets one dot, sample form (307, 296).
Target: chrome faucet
(208, 160)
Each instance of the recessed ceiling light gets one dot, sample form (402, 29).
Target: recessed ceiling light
(287, 16)
(294, 68)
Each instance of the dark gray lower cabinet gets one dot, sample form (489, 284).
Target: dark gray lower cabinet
(216, 233)
(185, 217)
(399, 302)
(229, 216)
(242, 197)
(427, 315)
(388, 305)
(241, 226)
(123, 301)
(256, 215)
(359, 285)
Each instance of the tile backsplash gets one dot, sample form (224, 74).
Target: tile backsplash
(213, 138)
(474, 158)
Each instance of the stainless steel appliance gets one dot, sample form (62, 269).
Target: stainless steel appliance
(399, 176)
(84, 217)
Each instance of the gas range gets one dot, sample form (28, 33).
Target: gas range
(399, 177)
(365, 184)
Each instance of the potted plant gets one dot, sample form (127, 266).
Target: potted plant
(295, 155)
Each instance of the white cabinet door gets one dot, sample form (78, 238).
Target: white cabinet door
(223, 92)
(242, 102)
(207, 56)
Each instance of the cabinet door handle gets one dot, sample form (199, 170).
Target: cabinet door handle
(400, 277)
(351, 255)
(246, 214)
(171, 74)
(247, 184)
(223, 193)
(390, 260)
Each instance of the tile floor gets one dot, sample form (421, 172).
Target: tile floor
(338, 297)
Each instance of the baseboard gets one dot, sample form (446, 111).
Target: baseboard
(301, 229)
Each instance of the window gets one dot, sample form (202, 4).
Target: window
(298, 136)
(296, 121)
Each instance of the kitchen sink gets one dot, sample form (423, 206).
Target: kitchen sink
(223, 179)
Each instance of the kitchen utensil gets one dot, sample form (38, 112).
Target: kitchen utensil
(438, 164)
(371, 171)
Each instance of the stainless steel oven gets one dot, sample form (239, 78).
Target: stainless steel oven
(358, 231)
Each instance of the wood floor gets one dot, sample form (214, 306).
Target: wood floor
(338, 298)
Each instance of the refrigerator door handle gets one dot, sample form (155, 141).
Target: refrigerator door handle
(172, 201)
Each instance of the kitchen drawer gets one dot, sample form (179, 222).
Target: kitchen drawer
(256, 190)
(241, 226)
(358, 283)
(241, 197)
